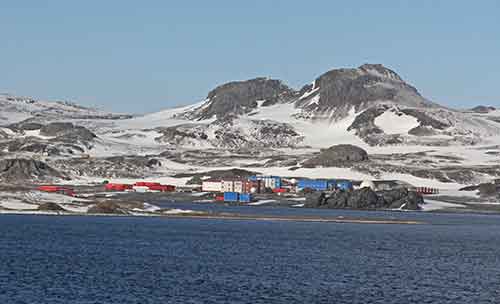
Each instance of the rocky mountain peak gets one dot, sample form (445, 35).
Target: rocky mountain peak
(339, 90)
(380, 71)
(240, 97)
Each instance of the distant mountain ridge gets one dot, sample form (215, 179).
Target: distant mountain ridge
(483, 109)
(16, 109)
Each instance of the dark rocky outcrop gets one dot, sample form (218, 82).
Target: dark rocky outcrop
(483, 109)
(338, 155)
(402, 199)
(425, 120)
(25, 125)
(422, 131)
(50, 207)
(67, 132)
(364, 123)
(366, 198)
(195, 180)
(30, 126)
(40, 146)
(486, 190)
(107, 207)
(263, 133)
(240, 97)
(469, 188)
(56, 129)
(43, 111)
(495, 119)
(362, 87)
(180, 134)
(117, 166)
(33, 147)
(489, 189)
(226, 134)
(153, 162)
(78, 134)
(19, 169)
(365, 127)
(3, 134)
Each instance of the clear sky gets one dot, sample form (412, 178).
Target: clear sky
(142, 56)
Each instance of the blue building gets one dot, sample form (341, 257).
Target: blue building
(316, 184)
(231, 196)
(245, 197)
(345, 185)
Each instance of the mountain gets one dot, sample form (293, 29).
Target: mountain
(332, 94)
(483, 109)
(16, 109)
(368, 105)
(381, 108)
(263, 123)
(241, 97)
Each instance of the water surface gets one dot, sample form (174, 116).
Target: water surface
(51, 259)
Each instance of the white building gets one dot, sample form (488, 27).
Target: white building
(211, 186)
(227, 186)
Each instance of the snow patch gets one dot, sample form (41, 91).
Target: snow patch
(309, 93)
(431, 205)
(15, 204)
(179, 211)
(262, 202)
(396, 123)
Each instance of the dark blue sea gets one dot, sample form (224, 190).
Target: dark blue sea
(453, 258)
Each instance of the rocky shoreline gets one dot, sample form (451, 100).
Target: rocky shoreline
(92, 201)
(226, 216)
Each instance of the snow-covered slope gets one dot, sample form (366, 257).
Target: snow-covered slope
(263, 123)
(368, 106)
(381, 107)
(15, 109)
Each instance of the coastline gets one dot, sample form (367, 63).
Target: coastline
(223, 216)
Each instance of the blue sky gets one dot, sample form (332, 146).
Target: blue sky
(142, 56)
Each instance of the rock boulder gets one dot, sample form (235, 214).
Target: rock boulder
(337, 155)
(366, 199)
(20, 169)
